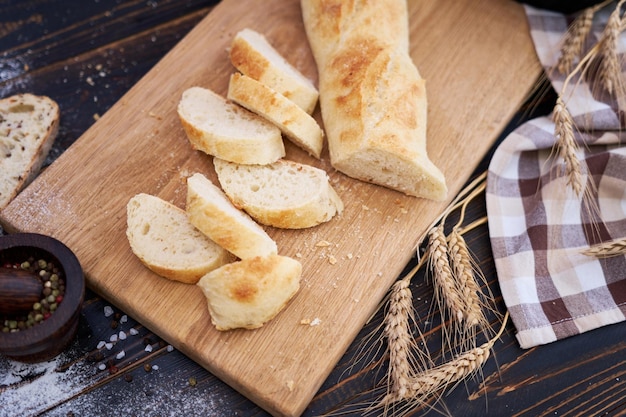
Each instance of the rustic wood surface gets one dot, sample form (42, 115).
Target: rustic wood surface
(87, 58)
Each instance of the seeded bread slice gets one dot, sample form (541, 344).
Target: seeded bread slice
(210, 210)
(223, 129)
(164, 240)
(249, 293)
(28, 128)
(284, 194)
(299, 126)
(253, 55)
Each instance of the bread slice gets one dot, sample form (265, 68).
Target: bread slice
(28, 128)
(210, 210)
(284, 194)
(375, 118)
(297, 125)
(249, 293)
(223, 129)
(162, 237)
(254, 56)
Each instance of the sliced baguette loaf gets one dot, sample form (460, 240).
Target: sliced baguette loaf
(299, 126)
(210, 210)
(375, 117)
(252, 54)
(284, 194)
(162, 237)
(248, 293)
(28, 128)
(223, 129)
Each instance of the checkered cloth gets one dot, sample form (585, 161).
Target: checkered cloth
(538, 225)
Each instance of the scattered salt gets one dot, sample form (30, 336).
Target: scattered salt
(102, 367)
(133, 331)
(155, 367)
(148, 348)
(124, 319)
(170, 348)
(101, 344)
(108, 311)
(109, 346)
(122, 335)
(113, 338)
(120, 354)
(315, 322)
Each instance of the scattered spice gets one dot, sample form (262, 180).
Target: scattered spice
(192, 381)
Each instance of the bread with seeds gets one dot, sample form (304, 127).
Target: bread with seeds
(29, 125)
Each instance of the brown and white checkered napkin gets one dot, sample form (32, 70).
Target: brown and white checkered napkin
(539, 226)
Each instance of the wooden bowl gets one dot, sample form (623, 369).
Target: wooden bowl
(47, 339)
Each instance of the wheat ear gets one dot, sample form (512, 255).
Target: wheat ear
(566, 145)
(574, 40)
(609, 249)
(398, 334)
(445, 286)
(610, 70)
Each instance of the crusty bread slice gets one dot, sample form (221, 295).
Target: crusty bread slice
(223, 129)
(162, 237)
(284, 194)
(210, 210)
(253, 55)
(372, 97)
(299, 126)
(28, 128)
(248, 293)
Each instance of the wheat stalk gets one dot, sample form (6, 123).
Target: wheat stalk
(446, 375)
(609, 249)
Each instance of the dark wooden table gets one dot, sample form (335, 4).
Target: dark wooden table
(86, 55)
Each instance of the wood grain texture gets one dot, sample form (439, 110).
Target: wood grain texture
(139, 146)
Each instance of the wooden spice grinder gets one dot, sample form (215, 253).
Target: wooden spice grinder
(19, 290)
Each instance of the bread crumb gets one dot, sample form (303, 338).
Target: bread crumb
(308, 322)
(323, 244)
(332, 260)
(96, 116)
(290, 385)
(364, 207)
(349, 256)
(298, 255)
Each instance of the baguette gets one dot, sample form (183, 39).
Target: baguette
(300, 127)
(164, 240)
(28, 128)
(284, 194)
(210, 210)
(372, 97)
(248, 293)
(223, 129)
(254, 56)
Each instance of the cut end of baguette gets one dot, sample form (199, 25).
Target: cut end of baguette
(297, 125)
(253, 55)
(415, 177)
(223, 129)
(28, 128)
(249, 293)
(211, 212)
(164, 240)
(285, 194)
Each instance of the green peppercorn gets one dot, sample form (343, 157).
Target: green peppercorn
(42, 264)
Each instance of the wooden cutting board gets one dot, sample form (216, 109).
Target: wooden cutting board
(479, 63)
